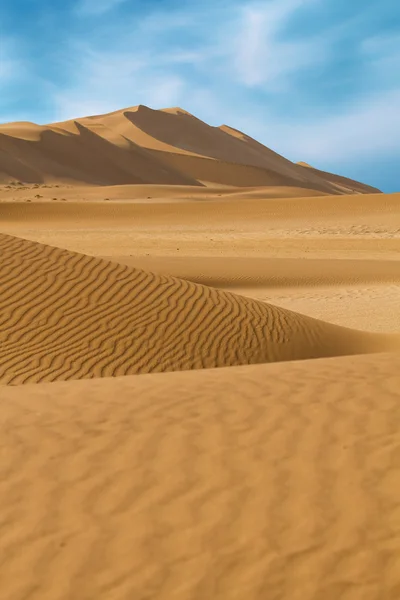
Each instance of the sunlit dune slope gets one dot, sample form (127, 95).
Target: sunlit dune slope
(142, 145)
(66, 315)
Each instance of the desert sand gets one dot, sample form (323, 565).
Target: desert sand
(68, 316)
(199, 367)
(267, 481)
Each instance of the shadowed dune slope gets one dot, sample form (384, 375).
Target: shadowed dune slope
(263, 482)
(140, 145)
(348, 185)
(66, 315)
(41, 154)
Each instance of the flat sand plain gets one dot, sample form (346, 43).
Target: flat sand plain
(249, 481)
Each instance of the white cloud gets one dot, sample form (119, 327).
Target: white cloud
(256, 55)
(370, 127)
(259, 57)
(251, 47)
(10, 62)
(362, 131)
(109, 81)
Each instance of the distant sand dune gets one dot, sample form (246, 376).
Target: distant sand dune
(67, 315)
(139, 145)
(263, 482)
(81, 156)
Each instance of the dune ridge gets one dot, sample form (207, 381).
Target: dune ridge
(67, 315)
(139, 145)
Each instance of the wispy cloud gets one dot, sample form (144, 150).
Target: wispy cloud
(106, 81)
(234, 44)
(14, 73)
(367, 128)
(259, 55)
(142, 64)
(10, 63)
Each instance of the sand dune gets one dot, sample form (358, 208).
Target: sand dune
(81, 156)
(357, 293)
(269, 481)
(67, 315)
(139, 145)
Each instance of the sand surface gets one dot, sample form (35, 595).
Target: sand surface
(148, 244)
(335, 258)
(67, 315)
(273, 481)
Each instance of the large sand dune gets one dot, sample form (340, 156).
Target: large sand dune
(143, 146)
(66, 315)
(263, 482)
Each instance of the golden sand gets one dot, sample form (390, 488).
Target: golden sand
(147, 242)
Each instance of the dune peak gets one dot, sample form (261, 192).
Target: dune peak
(176, 110)
(304, 164)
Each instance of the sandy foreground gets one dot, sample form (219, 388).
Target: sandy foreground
(267, 481)
(199, 373)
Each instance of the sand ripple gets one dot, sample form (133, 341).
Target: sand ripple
(66, 315)
(272, 481)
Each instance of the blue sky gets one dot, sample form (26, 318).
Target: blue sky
(316, 80)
